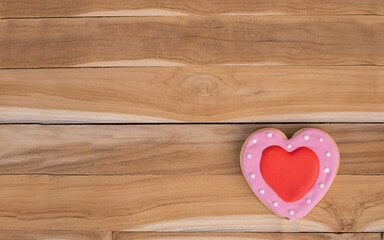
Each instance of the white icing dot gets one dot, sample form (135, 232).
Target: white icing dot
(289, 145)
(261, 191)
(254, 140)
(328, 154)
(252, 175)
(291, 212)
(275, 204)
(321, 185)
(309, 200)
(249, 155)
(269, 135)
(306, 137)
(326, 170)
(321, 139)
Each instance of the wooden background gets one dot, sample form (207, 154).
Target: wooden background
(124, 120)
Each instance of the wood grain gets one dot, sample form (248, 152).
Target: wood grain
(193, 62)
(57, 8)
(54, 235)
(244, 236)
(266, 40)
(178, 203)
(193, 94)
(165, 149)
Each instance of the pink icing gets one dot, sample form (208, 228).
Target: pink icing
(315, 194)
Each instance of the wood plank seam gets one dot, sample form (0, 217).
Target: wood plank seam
(54, 8)
(186, 15)
(159, 66)
(122, 235)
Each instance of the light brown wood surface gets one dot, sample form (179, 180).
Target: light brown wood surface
(198, 40)
(61, 235)
(245, 236)
(193, 94)
(178, 203)
(92, 94)
(57, 8)
(165, 149)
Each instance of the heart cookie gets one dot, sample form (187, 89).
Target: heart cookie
(290, 176)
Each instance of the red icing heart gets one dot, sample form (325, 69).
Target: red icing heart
(290, 174)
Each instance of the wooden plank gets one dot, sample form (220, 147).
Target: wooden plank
(193, 94)
(178, 203)
(53, 235)
(165, 149)
(244, 236)
(266, 40)
(57, 8)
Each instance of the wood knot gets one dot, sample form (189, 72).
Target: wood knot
(201, 85)
(200, 88)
